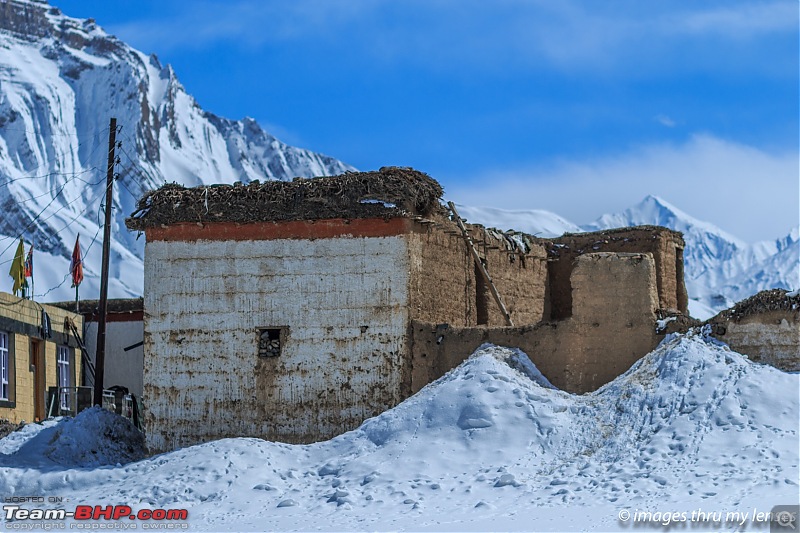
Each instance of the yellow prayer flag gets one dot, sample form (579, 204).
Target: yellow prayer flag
(17, 271)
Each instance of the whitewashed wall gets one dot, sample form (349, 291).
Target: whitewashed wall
(345, 303)
(121, 367)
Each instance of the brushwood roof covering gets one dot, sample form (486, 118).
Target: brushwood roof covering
(388, 192)
(762, 302)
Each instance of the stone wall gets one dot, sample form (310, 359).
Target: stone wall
(605, 335)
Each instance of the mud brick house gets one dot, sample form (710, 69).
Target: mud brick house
(765, 327)
(38, 350)
(292, 311)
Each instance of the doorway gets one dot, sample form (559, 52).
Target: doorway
(39, 379)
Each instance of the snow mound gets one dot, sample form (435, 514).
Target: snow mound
(11, 443)
(491, 446)
(96, 437)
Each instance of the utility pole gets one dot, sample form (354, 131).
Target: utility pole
(100, 362)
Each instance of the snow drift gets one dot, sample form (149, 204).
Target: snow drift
(488, 446)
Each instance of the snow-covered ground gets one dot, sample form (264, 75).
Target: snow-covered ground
(692, 427)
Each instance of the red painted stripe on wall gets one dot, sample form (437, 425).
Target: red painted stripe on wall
(289, 229)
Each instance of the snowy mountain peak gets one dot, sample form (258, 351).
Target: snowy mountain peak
(720, 268)
(61, 79)
(654, 210)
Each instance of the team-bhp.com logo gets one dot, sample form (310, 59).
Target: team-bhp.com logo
(15, 513)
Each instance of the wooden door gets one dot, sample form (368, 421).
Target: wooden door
(39, 380)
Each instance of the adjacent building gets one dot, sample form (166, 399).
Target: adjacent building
(765, 327)
(39, 350)
(124, 355)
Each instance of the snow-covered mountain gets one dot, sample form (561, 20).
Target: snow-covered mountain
(532, 221)
(61, 79)
(720, 269)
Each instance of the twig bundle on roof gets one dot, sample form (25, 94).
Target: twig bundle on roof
(763, 302)
(390, 191)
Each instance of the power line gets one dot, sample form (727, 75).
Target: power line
(85, 254)
(98, 144)
(104, 200)
(62, 133)
(75, 177)
(22, 233)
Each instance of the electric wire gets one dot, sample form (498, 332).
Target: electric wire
(70, 177)
(98, 143)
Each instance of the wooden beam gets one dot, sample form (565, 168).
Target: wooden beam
(479, 264)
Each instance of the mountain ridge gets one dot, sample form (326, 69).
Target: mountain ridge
(61, 79)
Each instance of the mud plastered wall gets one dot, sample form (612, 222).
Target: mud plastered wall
(442, 280)
(612, 325)
(771, 338)
(666, 247)
(342, 304)
(447, 288)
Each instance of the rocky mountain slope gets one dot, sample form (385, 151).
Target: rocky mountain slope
(61, 79)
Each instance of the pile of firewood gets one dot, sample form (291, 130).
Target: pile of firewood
(391, 191)
(763, 302)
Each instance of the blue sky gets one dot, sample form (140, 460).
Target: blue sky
(575, 107)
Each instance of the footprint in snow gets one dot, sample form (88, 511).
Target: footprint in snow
(287, 503)
(475, 417)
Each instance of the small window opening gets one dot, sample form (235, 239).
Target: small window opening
(270, 341)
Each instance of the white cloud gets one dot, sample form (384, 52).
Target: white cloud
(664, 120)
(748, 192)
(743, 20)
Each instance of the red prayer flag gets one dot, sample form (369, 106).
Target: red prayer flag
(76, 266)
(29, 263)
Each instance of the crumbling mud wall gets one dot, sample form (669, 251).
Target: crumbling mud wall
(770, 338)
(604, 336)
(765, 327)
(442, 281)
(665, 245)
(335, 305)
(446, 286)
(520, 278)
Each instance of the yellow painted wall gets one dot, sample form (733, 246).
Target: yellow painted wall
(30, 312)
